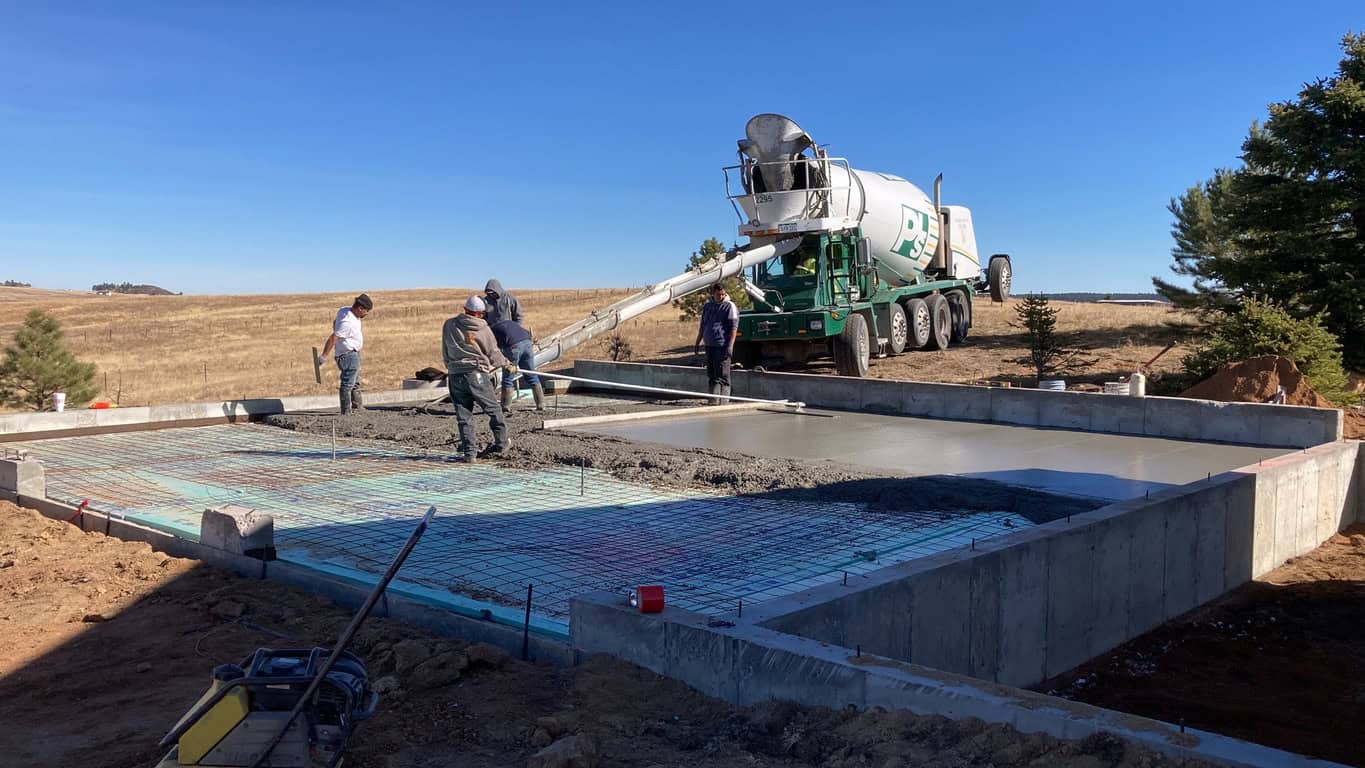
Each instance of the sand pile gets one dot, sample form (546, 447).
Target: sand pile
(1257, 380)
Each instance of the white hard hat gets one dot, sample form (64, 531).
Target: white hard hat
(475, 304)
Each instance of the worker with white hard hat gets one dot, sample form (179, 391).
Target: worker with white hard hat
(471, 355)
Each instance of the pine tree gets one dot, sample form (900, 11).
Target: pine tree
(38, 364)
(1289, 225)
(690, 306)
(1048, 355)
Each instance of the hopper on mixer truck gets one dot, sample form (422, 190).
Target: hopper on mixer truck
(842, 262)
(877, 267)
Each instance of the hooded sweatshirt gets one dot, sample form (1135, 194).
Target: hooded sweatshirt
(506, 307)
(468, 345)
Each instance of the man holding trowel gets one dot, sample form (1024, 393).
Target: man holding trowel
(346, 341)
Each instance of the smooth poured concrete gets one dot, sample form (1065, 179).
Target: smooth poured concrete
(1095, 465)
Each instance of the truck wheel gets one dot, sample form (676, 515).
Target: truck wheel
(999, 278)
(900, 329)
(940, 322)
(918, 320)
(852, 348)
(961, 309)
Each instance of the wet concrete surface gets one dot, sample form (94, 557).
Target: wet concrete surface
(1082, 464)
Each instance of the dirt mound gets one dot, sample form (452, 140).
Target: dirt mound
(1256, 381)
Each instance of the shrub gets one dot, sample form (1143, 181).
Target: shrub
(37, 364)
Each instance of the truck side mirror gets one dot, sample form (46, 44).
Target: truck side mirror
(864, 255)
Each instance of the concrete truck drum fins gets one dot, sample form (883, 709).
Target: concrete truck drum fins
(880, 267)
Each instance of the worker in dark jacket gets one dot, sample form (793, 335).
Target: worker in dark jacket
(515, 343)
(719, 328)
(471, 354)
(501, 304)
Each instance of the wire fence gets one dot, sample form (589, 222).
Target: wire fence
(566, 530)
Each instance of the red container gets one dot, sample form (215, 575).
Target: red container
(649, 599)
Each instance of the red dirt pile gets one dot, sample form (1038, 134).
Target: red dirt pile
(1258, 379)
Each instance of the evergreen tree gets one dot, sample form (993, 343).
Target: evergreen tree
(690, 305)
(1048, 355)
(38, 364)
(1289, 225)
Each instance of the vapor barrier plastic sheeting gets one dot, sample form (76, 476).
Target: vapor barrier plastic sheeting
(562, 529)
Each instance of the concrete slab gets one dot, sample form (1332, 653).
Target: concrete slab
(1104, 466)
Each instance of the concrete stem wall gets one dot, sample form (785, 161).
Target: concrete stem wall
(1022, 608)
(1280, 426)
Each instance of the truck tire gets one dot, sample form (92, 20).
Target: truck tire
(961, 309)
(852, 348)
(917, 317)
(900, 330)
(1000, 276)
(940, 322)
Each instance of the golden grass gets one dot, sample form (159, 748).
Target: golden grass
(163, 349)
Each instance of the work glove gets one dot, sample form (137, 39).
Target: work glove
(320, 360)
(510, 371)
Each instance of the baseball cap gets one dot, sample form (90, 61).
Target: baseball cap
(364, 301)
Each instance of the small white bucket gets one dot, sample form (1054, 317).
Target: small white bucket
(59, 401)
(1056, 385)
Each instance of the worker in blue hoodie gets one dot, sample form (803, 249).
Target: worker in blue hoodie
(515, 343)
(501, 304)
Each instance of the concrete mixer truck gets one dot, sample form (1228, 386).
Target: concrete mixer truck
(840, 262)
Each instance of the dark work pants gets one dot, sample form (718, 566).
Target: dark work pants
(466, 390)
(718, 367)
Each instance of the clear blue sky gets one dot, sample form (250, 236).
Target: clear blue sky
(266, 147)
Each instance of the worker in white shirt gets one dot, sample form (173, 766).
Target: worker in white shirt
(345, 342)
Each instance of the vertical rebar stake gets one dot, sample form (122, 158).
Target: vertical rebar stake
(334, 439)
(582, 474)
(526, 627)
(845, 578)
(740, 613)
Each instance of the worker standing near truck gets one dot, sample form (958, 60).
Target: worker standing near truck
(501, 304)
(515, 343)
(471, 354)
(719, 327)
(346, 341)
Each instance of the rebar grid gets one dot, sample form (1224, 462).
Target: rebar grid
(566, 530)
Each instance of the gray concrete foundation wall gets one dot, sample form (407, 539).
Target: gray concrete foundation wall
(28, 426)
(1022, 608)
(746, 664)
(1280, 426)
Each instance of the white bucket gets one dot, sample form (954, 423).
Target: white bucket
(1137, 385)
(59, 401)
(1056, 385)
(1115, 387)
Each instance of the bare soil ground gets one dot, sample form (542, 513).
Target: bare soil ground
(105, 643)
(678, 467)
(1280, 661)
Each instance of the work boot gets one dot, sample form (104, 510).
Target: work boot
(715, 390)
(467, 458)
(538, 392)
(506, 399)
(496, 449)
(356, 400)
(725, 390)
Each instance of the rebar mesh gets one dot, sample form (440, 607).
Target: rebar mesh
(564, 529)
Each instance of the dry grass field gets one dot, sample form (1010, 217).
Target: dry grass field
(162, 349)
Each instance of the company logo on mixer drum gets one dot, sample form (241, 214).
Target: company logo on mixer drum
(914, 233)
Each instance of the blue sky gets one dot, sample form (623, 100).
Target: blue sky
(264, 147)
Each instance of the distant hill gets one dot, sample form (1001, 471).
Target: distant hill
(146, 290)
(1104, 296)
(16, 284)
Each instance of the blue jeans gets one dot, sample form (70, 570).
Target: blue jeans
(349, 364)
(523, 356)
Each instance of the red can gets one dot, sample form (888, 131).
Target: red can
(648, 598)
